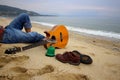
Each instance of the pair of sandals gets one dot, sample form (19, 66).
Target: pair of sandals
(74, 58)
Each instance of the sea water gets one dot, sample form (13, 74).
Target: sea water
(99, 26)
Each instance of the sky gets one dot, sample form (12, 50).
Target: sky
(68, 7)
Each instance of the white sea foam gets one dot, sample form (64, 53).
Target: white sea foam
(87, 31)
(43, 23)
(96, 32)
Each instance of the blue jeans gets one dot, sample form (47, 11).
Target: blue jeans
(13, 33)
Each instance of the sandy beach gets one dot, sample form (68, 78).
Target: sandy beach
(32, 64)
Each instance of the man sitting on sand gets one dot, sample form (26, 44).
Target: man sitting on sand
(13, 32)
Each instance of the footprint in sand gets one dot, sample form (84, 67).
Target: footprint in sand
(80, 47)
(9, 58)
(26, 74)
(111, 53)
(113, 68)
(92, 54)
(46, 69)
(19, 69)
(70, 76)
(108, 53)
(6, 77)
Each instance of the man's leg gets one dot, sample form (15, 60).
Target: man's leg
(18, 36)
(20, 21)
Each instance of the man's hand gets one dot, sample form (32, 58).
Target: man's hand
(28, 30)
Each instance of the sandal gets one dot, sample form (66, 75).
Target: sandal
(83, 58)
(68, 57)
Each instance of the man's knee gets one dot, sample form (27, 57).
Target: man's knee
(24, 15)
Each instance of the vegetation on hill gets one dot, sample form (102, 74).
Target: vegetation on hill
(12, 11)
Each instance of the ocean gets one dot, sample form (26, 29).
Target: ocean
(108, 27)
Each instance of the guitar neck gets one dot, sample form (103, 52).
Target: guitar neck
(19, 49)
(34, 45)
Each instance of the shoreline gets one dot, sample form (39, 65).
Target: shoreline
(98, 36)
(32, 64)
(104, 34)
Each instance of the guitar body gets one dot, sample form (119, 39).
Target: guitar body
(60, 34)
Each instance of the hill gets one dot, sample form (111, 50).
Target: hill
(13, 11)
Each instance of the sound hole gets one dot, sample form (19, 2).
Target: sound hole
(61, 38)
(53, 38)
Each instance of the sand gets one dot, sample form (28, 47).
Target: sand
(32, 64)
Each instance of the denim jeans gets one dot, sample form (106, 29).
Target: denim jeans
(14, 34)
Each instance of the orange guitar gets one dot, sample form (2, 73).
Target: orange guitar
(60, 34)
